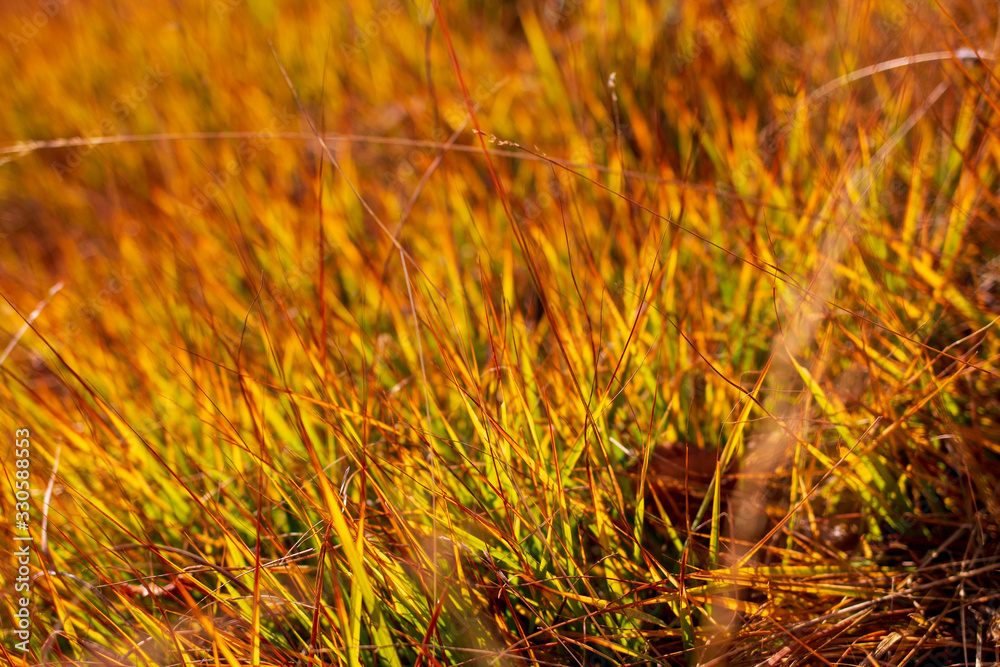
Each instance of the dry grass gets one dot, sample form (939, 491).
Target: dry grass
(502, 333)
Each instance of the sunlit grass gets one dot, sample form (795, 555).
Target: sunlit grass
(686, 356)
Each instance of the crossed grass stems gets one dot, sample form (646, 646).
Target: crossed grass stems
(518, 152)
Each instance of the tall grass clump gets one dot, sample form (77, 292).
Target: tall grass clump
(494, 333)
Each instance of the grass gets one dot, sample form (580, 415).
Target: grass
(501, 333)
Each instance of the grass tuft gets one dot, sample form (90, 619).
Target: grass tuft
(500, 333)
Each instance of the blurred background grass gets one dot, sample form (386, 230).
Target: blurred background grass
(496, 439)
